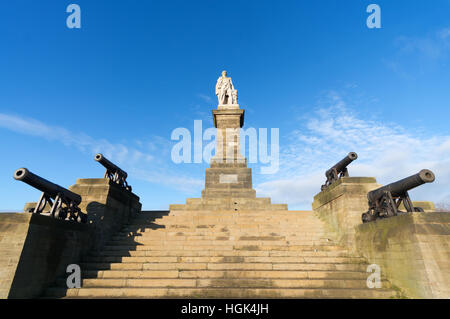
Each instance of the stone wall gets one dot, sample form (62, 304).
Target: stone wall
(108, 206)
(13, 232)
(35, 250)
(341, 205)
(412, 250)
(343, 202)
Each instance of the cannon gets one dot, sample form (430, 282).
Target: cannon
(63, 203)
(113, 172)
(339, 170)
(385, 201)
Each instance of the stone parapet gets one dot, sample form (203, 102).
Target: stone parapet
(107, 204)
(412, 251)
(37, 249)
(342, 204)
(426, 206)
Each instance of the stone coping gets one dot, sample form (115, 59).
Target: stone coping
(240, 112)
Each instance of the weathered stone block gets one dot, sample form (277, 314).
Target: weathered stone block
(108, 206)
(408, 249)
(36, 249)
(44, 246)
(342, 204)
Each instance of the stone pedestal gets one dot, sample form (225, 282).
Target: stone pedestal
(228, 181)
(342, 204)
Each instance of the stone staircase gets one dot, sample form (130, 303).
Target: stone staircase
(223, 254)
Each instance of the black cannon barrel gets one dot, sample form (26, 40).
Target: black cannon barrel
(109, 165)
(400, 187)
(51, 189)
(344, 162)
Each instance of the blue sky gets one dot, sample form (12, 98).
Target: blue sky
(137, 70)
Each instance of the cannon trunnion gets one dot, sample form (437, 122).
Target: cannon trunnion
(385, 201)
(64, 203)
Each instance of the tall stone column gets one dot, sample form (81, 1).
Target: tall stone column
(228, 175)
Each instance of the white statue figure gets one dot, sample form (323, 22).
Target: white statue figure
(225, 91)
(234, 94)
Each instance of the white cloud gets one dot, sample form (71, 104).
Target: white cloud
(137, 160)
(386, 151)
(85, 143)
(419, 54)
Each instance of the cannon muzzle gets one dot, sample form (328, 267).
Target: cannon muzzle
(113, 172)
(45, 186)
(54, 195)
(111, 167)
(402, 186)
(339, 170)
(342, 164)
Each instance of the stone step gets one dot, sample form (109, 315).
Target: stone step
(216, 244)
(304, 224)
(310, 219)
(218, 293)
(184, 253)
(250, 213)
(292, 228)
(223, 283)
(214, 230)
(137, 247)
(215, 236)
(204, 274)
(223, 254)
(231, 220)
(250, 225)
(253, 246)
(226, 259)
(222, 237)
(232, 225)
(227, 206)
(223, 266)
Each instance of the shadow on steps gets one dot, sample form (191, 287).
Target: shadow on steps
(145, 220)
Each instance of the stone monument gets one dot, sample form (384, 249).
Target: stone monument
(228, 182)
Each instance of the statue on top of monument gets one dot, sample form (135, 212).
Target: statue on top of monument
(225, 91)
